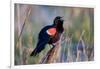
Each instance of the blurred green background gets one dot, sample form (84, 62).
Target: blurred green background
(78, 26)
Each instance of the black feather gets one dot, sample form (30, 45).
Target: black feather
(44, 38)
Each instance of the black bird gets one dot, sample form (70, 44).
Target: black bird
(49, 35)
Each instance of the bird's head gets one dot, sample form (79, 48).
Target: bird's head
(58, 20)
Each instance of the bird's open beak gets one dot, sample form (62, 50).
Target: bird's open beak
(62, 18)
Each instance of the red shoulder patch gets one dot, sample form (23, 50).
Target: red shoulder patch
(51, 31)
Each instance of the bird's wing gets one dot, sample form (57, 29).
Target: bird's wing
(51, 31)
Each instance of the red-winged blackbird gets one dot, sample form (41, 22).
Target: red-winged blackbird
(49, 35)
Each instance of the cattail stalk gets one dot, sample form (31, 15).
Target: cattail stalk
(53, 54)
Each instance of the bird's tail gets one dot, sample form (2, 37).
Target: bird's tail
(40, 46)
(34, 53)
